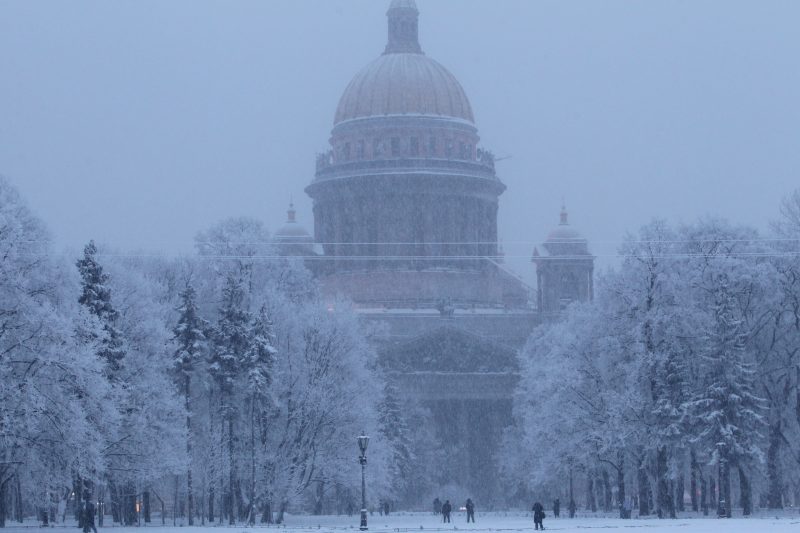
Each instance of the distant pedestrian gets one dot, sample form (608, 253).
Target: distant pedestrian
(437, 506)
(470, 511)
(386, 508)
(722, 509)
(557, 508)
(446, 510)
(538, 516)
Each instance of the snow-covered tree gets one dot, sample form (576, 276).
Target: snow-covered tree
(258, 366)
(231, 342)
(52, 397)
(397, 435)
(192, 348)
(96, 298)
(730, 412)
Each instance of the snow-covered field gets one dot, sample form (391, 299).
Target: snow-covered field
(489, 522)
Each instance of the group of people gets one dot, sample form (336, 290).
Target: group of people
(445, 509)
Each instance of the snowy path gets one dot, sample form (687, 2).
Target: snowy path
(489, 522)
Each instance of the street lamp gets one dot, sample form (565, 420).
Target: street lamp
(363, 440)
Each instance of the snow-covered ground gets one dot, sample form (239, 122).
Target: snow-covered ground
(488, 522)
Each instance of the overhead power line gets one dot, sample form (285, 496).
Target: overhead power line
(431, 258)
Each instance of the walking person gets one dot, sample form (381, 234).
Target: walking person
(538, 516)
(437, 506)
(557, 508)
(470, 511)
(446, 509)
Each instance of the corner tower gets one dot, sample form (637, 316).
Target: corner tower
(565, 269)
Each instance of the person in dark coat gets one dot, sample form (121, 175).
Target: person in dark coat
(557, 508)
(470, 510)
(446, 509)
(538, 516)
(437, 506)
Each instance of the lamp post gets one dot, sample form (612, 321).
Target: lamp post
(363, 440)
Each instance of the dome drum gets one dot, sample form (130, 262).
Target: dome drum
(433, 169)
(404, 136)
(401, 181)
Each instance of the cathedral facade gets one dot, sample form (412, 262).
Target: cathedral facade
(405, 224)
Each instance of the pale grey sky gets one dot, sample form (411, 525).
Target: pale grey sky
(138, 123)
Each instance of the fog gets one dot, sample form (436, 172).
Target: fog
(139, 123)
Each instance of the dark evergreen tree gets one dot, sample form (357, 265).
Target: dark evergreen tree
(394, 427)
(729, 414)
(190, 336)
(231, 343)
(96, 297)
(257, 365)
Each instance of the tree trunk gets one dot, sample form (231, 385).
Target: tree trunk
(241, 510)
(644, 488)
(680, 490)
(211, 503)
(725, 488)
(318, 493)
(774, 473)
(251, 512)
(703, 494)
(266, 516)
(175, 504)
(621, 485)
(202, 507)
(572, 505)
(664, 498)
(607, 495)
(281, 512)
(591, 502)
(116, 515)
(694, 467)
(130, 504)
(746, 493)
(101, 505)
(146, 506)
(223, 498)
(18, 509)
(187, 392)
(77, 493)
(231, 474)
(3, 503)
(712, 493)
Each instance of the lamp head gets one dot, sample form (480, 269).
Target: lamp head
(363, 441)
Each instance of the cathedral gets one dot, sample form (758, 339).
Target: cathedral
(405, 212)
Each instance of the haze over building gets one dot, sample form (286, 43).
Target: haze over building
(405, 218)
